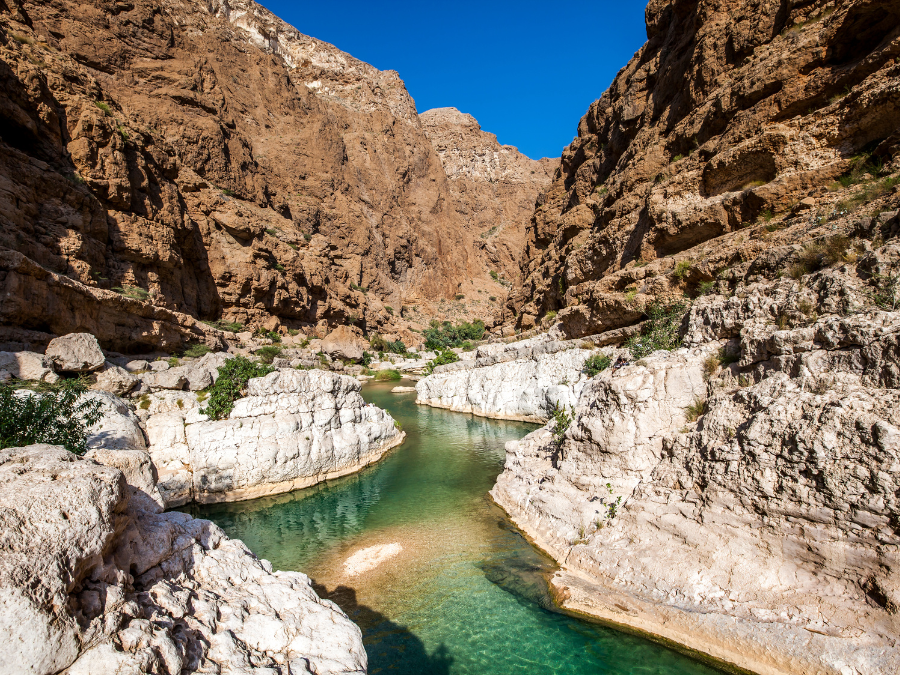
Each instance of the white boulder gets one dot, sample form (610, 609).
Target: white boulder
(76, 353)
(294, 429)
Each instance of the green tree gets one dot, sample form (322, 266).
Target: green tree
(60, 417)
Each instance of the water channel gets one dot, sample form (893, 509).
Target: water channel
(460, 591)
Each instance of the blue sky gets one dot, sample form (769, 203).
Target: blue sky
(526, 70)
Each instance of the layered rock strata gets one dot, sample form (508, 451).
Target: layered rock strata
(521, 381)
(294, 428)
(729, 114)
(94, 578)
(494, 186)
(738, 495)
(148, 177)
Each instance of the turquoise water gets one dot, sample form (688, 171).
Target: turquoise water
(466, 594)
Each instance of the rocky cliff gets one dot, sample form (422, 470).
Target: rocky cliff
(739, 495)
(732, 112)
(494, 186)
(206, 161)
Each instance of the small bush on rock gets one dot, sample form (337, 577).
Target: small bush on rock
(596, 364)
(562, 418)
(659, 332)
(196, 351)
(55, 417)
(233, 378)
(268, 353)
(442, 359)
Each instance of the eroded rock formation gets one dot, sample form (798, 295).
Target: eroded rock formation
(524, 381)
(731, 112)
(94, 578)
(739, 495)
(294, 428)
(208, 160)
(494, 186)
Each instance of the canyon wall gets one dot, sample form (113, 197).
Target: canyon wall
(731, 112)
(494, 186)
(209, 160)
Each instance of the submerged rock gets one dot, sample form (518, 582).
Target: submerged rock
(294, 429)
(94, 578)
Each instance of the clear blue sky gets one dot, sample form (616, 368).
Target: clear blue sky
(527, 71)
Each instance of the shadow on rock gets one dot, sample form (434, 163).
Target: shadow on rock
(390, 646)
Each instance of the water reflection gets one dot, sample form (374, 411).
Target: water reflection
(466, 594)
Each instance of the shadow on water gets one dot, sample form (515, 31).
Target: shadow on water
(389, 645)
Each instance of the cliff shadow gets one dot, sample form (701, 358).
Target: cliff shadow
(389, 646)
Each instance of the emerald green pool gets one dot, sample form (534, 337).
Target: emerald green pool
(466, 594)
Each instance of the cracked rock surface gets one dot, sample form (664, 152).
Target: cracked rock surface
(738, 495)
(94, 578)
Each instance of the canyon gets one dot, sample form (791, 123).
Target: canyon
(699, 302)
(146, 187)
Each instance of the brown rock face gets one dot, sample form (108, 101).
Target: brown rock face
(494, 186)
(219, 162)
(733, 110)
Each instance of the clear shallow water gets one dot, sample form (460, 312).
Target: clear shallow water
(467, 594)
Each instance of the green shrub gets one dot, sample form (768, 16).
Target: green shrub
(230, 326)
(561, 418)
(659, 332)
(596, 364)
(55, 417)
(132, 292)
(442, 359)
(279, 267)
(104, 107)
(233, 378)
(495, 276)
(196, 351)
(268, 353)
(366, 359)
(379, 344)
(440, 336)
(387, 375)
(706, 287)
(682, 268)
(695, 410)
(549, 316)
(173, 362)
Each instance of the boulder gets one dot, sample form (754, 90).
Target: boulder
(87, 555)
(28, 366)
(76, 353)
(158, 366)
(118, 427)
(295, 428)
(115, 380)
(137, 366)
(345, 343)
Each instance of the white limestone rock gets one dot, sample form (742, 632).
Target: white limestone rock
(76, 353)
(115, 380)
(94, 580)
(118, 428)
(517, 384)
(762, 534)
(28, 366)
(294, 429)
